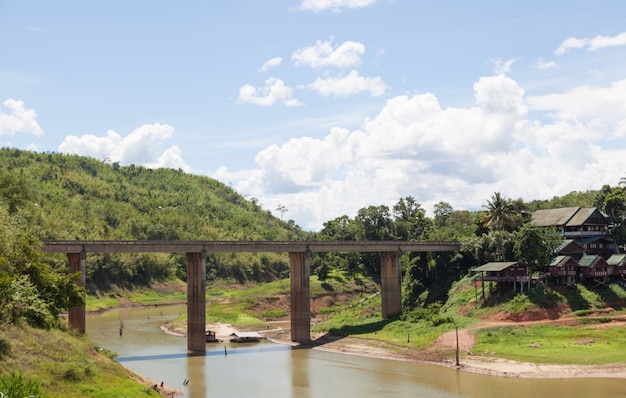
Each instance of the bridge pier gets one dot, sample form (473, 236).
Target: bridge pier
(196, 302)
(77, 316)
(391, 284)
(299, 274)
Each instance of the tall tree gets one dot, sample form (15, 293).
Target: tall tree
(499, 213)
(410, 220)
(442, 211)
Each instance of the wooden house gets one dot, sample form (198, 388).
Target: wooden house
(571, 248)
(586, 225)
(594, 267)
(618, 262)
(503, 272)
(563, 269)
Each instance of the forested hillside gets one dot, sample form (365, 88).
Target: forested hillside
(75, 197)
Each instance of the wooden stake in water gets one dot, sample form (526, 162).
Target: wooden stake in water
(457, 346)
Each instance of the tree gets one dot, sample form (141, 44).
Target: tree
(410, 221)
(535, 246)
(499, 213)
(282, 210)
(443, 210)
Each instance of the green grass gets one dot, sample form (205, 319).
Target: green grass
(554, 344)
(64, 365)
(363, 319)
(173, 292)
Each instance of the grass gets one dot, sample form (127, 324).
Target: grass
(363, 319)
(173, 292)
(240, 306)
(554, 344)
(64, 365)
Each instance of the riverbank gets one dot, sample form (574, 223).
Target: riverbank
(441, 353)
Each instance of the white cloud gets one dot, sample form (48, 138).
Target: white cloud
(416, 147)
(602, 107)
(271, 63)
(19, 119)
(323, 54)
(596, 43)
(141, 146)
(335, 5)
(541, 64)
(351, 84)
(275, 91)
(502, 66)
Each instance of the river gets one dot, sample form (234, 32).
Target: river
(274, 370)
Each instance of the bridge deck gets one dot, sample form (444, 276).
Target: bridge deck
(134, 246)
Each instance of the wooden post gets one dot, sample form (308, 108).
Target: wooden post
(299, 274)
(196, 302)
(76, 315)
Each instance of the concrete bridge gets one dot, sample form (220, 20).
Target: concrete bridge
(299, 271)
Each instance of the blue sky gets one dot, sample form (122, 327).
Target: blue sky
(327, 106)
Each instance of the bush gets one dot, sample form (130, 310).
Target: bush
(275, 313)
(5, 348)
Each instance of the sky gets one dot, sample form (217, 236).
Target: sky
(324, 107)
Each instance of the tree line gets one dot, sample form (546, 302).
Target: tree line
(56, 196)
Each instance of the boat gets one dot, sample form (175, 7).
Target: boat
(211, 337)
(246, 337)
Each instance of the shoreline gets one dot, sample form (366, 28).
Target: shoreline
(440, 355)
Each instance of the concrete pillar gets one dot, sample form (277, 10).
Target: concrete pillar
(391, 283)
(76, 315)
(196, 302)
(299, 271)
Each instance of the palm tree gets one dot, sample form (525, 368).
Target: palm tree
(499, 213)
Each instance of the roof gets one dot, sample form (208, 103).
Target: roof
(246, 334)
(582, 215)
(495, 266)
(617, 259)
(590, 261)
(570, 216)
(553, 217)
(561, 261)
(571, 245)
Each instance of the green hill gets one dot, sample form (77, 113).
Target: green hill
(76, 197)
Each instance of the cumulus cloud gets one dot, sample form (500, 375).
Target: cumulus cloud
(602, 107)
(335, 5)
(416, 147)
(596, 43)
(18, 119)
(274, 91)
(348, 85)
(271, 63)
(323, 54)
(141, 146)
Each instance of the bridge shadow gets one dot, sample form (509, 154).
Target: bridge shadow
(336, 334)
(221, 351)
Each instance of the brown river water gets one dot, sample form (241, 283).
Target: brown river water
(275, 370)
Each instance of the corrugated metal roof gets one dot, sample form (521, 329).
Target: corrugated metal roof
(560, 261)
(617, 259)
(246, 334)
(553, 217)
(589, 260)
(582, 215)
(571, 245)
(494, 266)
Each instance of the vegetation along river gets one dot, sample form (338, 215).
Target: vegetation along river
(274, 370)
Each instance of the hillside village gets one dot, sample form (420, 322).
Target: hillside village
(587, 254)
